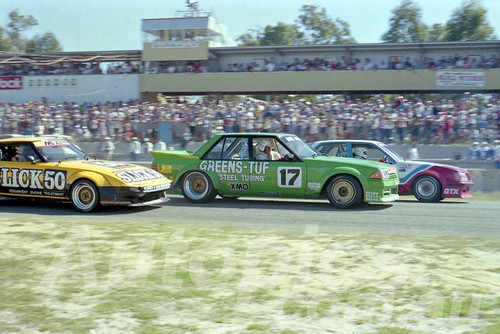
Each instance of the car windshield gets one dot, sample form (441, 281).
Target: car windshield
(300, 147)
(61, 152)
(394, 153)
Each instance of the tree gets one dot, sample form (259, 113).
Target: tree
(406, 25)
(19, 23)
(312, 27)
(15, 41)
(319, 28)
(45, 43)
(251, 38)
(5, 44)
(468, 23)
(282, 34)
(437, 33)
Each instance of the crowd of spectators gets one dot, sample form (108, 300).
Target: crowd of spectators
(68, 68)
(467, 119)
(263, 65)
(322, 64)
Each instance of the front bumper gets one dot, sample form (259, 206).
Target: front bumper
(133, 196)
(382, 191)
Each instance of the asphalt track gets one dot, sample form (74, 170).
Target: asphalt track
(405, 217)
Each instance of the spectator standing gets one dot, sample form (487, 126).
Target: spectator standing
(497, 154)
(146, 147)
(108, 148)
(159, 145)
(134, 149)
(413, 152)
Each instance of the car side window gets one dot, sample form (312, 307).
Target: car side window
(336, 150)
(371, 152)
(235, 148)
(229, 148)
(216, 152)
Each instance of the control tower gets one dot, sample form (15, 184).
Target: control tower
(185, 37)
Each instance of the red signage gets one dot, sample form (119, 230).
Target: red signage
(11, 82)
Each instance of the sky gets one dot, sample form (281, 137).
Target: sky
(108, 25)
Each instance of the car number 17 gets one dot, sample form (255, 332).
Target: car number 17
(289, 177)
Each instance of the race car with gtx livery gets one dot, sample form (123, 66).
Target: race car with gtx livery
(427, 181)
(45, 168)
(274, 165)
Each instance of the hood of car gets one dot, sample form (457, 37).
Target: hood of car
(128, 173)
(350, 161)
(416, 164)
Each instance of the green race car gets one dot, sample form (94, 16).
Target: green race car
(274, 165)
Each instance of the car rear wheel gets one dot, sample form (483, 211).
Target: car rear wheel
(197, 187)
(85, 196)
(344, 192)
(427, 189)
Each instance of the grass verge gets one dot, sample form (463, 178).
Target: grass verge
(148, 277)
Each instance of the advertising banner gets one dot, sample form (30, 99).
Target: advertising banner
(459, 78)
(11, 82)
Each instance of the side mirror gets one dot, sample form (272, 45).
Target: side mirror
(32, 159)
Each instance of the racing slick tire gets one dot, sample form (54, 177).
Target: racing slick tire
(427, 189)
(197, 187)
(344, 192)
(84, 196)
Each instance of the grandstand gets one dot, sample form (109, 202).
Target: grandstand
(184, 56)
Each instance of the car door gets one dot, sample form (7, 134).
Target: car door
(228, 165)
(286, 177)
(22, 173)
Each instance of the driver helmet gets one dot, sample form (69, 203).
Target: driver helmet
(360, 152)
(261, 145)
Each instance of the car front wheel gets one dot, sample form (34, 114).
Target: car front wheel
(344, 192)
(84, 196)
(427, 189)
(197, 188)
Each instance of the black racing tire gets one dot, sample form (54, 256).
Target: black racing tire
(84, 196)
(427, 188)
(197, 187)
(344, 192)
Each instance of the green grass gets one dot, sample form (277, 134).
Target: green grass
(150, 277)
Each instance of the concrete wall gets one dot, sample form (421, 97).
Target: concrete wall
(485, 177)
(74, 88)
(309, 82)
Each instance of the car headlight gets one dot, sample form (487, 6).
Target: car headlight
(381, 174)
(460, 177)
(136, 189)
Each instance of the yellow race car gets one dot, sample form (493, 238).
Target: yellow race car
(50, 168)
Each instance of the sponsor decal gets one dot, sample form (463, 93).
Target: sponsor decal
(450, 191)
(165, 169)
(313, 186)
(372, 196)
(228, 177)
(253, 178)
(138, 175)
(234, 167)
(52, 143)
(156, 187)
(33, 181)
(239, 186)
(250, 171)
(270, 193)
(11, 82)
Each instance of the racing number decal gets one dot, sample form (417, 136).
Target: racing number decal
(289, 177)
(54, 180)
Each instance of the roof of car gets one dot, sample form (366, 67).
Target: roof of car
(348, 141)
(9, 138)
